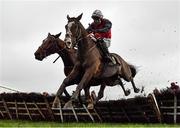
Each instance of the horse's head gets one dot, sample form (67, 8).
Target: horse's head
(73, 31)
(52, 44)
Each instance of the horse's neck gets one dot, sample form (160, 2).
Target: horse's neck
(85, 43)
(68, 56)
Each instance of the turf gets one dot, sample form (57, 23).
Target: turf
(22, 123)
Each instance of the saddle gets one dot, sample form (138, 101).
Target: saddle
(113, 60)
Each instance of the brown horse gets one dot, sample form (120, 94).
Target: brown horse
(89, 62)
(53, 44)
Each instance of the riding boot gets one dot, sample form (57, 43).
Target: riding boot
(106, 53)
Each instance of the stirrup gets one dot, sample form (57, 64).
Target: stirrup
(107, 59)
(113, 60)
(110, 60)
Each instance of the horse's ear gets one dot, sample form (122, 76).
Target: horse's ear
(68, 17)
(57, 35)
(49, 34)
(79, 17)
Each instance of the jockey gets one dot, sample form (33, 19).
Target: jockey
(101, 28)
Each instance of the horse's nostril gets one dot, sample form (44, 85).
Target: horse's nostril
(36, 54)
(68, 42)
(67, 35)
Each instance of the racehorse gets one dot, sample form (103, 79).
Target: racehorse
(89, 62)
(53, 44)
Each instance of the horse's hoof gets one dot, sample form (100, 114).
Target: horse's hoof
(136, 90)
(96, 100)
(127, 92)
(90, 106)
(68, 104)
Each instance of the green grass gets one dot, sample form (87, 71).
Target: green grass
(21, 123)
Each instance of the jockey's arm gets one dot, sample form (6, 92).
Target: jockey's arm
(106, 28)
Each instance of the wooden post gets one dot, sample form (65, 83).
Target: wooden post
(60, 111)
(27, 110)
(175, 108)
(98, 115)
(39, 110)
(123, 110)
(6, 108)
(75, 114)
(49, 109)
(155, 105)
(16, 106)
(2, 114)
(88, 113)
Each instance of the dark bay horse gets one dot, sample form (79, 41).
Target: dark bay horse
(53, 44)
(89, 62)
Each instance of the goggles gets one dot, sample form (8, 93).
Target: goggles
(96, 18)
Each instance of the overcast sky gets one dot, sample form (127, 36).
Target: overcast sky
(144, 32)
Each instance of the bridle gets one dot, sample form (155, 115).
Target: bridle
(43, 52)
(55, 45)
(79, 37)
(78, 32)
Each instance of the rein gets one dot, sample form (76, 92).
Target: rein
(58, 52)
(56, 59)
(79, 37)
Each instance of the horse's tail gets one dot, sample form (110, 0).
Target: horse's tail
(133, 70)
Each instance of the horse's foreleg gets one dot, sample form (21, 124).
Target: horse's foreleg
(101, 92)
(88, 98)
(84, 81)
(87, 94)
(69, 80)
(59, 92)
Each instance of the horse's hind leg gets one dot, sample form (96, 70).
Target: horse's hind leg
(136, 90)
(67, 94)
(126, 92)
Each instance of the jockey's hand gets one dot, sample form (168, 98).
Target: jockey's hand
(97, 35)
(91, 34)
(100, 40)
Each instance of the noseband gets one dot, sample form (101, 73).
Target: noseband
(55, 44)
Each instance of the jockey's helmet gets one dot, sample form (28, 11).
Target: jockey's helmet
(97, 14)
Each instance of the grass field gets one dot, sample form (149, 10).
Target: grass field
(20, 123)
